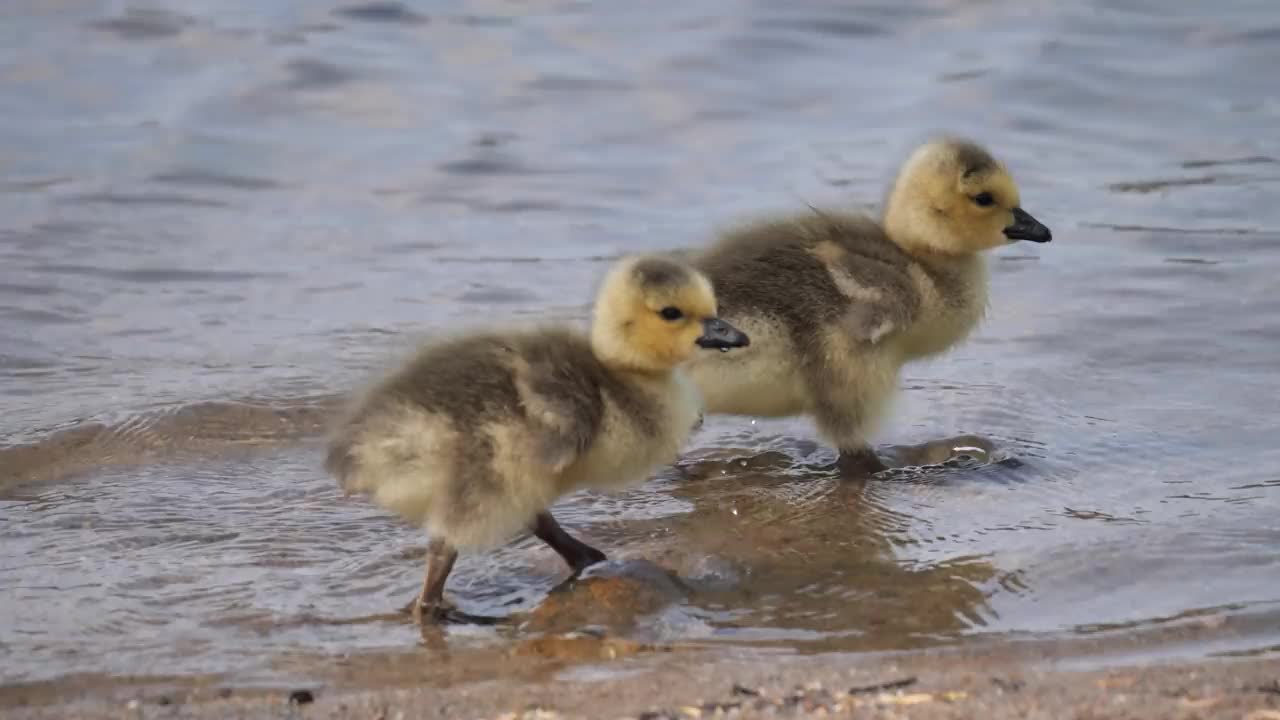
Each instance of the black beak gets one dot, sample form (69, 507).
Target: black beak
(1025, 227)
(720, 335)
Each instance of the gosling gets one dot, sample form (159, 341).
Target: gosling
(836, 303)
(475, 437)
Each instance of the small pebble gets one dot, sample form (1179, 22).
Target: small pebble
(878, 687)
(301, 697)
(1007, 685)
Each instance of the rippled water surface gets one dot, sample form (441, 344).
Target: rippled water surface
(216, 217)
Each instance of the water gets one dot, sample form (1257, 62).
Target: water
(218, 217)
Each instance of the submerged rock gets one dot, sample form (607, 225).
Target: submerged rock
(579, 647)
(610, 595)
(959, 448)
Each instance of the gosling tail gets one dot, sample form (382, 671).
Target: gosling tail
(339, 463)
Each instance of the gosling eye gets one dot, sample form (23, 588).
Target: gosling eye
(671, 313)
(984, 200)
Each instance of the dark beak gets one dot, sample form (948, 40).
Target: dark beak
(720, 335)
(1025, 227)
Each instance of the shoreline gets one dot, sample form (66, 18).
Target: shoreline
(590, 677)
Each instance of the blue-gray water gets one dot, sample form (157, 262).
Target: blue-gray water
(261, 201)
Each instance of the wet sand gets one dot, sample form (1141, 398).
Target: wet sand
(594, 672)
(999, 683)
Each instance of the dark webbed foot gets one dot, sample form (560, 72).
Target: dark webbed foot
(434, 613)
(444, 613)
(860, 463)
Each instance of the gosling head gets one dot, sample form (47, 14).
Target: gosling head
(653, 313)
(952, 197)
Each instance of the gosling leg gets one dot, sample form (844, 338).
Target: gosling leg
(842, 411)
(843, 424)
(576, 553)
(429, 606)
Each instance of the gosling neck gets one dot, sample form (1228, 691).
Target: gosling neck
(967, 268)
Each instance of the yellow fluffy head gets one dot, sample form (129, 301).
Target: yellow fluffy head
(953, 197)
(653, 313)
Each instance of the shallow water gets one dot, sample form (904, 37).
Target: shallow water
(216, 218)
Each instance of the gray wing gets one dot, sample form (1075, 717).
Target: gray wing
(881, 299)
(871, 321)
(563, 407)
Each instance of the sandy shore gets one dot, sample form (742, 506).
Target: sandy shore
(1004, 681)
(917, 688)
(1206, 666)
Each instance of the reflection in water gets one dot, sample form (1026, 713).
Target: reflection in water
(815, 564)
